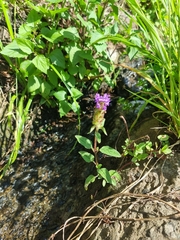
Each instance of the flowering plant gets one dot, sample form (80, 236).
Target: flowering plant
(107, 176)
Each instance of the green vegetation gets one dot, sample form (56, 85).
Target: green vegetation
(61, 48)
(156, 37)
(54, 56)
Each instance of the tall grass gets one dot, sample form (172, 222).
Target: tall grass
(160, 36)
(157, 39)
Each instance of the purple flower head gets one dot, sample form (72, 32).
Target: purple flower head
(102, 102)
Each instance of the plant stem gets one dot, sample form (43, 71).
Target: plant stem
(95, 149)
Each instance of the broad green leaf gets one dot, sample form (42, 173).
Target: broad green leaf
(82, 71)
(89, 179)
(27, 68)
(115, 176)
(34, 83)
(25, 30)
(64, 108)
(75, 107)
(71, 81)
(88, 157)
(52, 35)
(84, 141)
(45, 89)
(25, 45)
(70, 33)
(57, 58)
(96, 36)
(13, 50)
(74, 55)
(73, 69)
(76, 93)
(41, 63)
(105, 66)
(101, 47)
(104, 173)
(110, 151)
(60, 95)
(34, 17)
(52, 76)
(166, 150)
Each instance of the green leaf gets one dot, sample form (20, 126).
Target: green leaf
(25, 45)
(52, 35)
(70, 33)
(61, 94)
(57, 58)
(104, 173)
(64, 108)
(33, 18)
(41, 63)
(13, 50)
(52, 77)
(74, 55)
(84, 141)
(110, 151)
(45, 89)
(166, 150)
(27, 68)
(89, 179)
(82, 71)
(76, 93)
(98, 136)
(75, 107)
(34, 83)
(25, 30)
(54, 1)
(115, 176)
(88, 157)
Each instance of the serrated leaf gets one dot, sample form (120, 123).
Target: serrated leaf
(41, 63)
(84, 141)
(110, 151)
(88, 157)
(57, 58)
(89, 179)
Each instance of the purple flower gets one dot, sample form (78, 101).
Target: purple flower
(102, 102)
